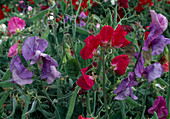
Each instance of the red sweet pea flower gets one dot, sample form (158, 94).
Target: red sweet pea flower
(120, 64)
(106, 34)
(123, 3)
(92, 43)
(166, 67)
(86, 82)
(119, 39)
(19, 8)
(81, 117)
(1, 14)
(43, 7)
(139, 8)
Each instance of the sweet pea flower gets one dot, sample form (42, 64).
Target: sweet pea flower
(16, 24)
(92, 42)
(166, 67)
(20, 74)
(159, 106)
(120, 63)
(123, 3)
(81, 117)
(13, 50)
(159, 20)
(29, 8)
(82, 23)
(97, 26)
(155, 40)
(3, 27)
(86, 82)
(151, 72)
(114, 37)
(49, 71)
(125, 87)
(82, 15)
(33, 47)
(1, 14)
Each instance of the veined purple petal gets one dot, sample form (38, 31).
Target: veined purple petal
(132, 95)
(122, 86)
(154, 32)
(20, 74)
(122, 95)
(132, 79)
(159, 19)
(17, 79)
(31, 45)
(158, 45)
(82, 23)
(153, 71)
(82, 15)
(140, 65)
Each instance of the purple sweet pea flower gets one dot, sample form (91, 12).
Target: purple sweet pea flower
(140, 65)
(82, 23)
(159, 106)
(33, 47)
(82, 15)
(158, 44)
(154, 32)
(49, 69)
(20, 74)
(159, 19)
(125, 87)
(153, 71)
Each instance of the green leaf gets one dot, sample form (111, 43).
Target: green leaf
(45, 35)
(161, 81)
(115, 18)
(6, 84)
(39, 16)
(131, 102)
(7, 75)
(4, 20)
(155, 116)
(27, 102)
(72, 68)
(14, 108)
(83, 31)
(4, 97)
(72, 103)
(63, 5)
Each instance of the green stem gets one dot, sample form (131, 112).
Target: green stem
(88, 103)
(48, 97)
(144, 101)
(104, 88)
(122, 104)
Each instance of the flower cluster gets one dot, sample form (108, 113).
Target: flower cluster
(108, 37)
(32, 49)
(142, 3)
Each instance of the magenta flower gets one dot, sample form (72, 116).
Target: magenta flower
(125, 87)
(159, 106)
(159, 20)
(20, 74)
(16, 24)
(82, 15)
(13, 50)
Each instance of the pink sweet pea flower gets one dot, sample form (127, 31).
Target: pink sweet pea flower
(15, 24)
(13, 50)
(159, 19)
(81, 117)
